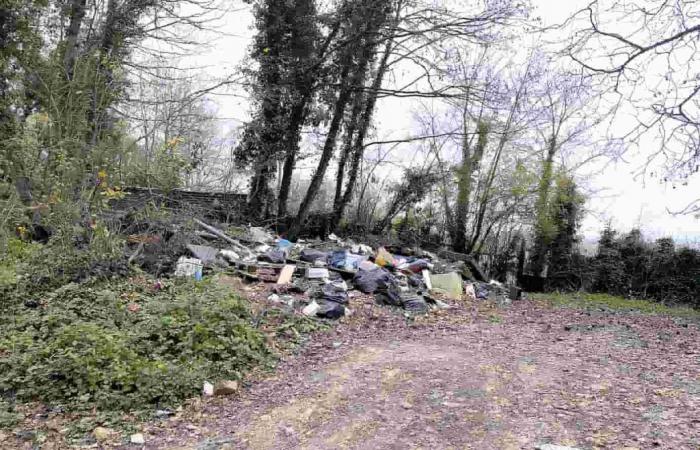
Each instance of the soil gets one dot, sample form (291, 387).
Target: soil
(471, 378)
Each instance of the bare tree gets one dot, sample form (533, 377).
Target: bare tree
(568, 114)
(646, 53)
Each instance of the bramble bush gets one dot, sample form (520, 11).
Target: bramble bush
(127, 345)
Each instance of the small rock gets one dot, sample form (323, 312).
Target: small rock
(555, 447)
(274, 298)
(288, 431)
(451, 405)
(137, 439)
(406, 405)
(226, 387)
(287, 300)
(3, 436)
(311, 309)
(25, 435)
(163, 413)
(102, 434)
(208, 389)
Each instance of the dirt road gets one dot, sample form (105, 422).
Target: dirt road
(512, 378)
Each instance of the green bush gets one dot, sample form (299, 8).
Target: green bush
(127, 345)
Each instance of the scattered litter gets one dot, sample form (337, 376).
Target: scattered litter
(266, 274)
(339, 284)
(262, 248)
(329, 274)
(311, 309)
(286, 274)
(137, 439)
(287, 300)
(258, 235)
(207, 389)
(426, 280)
(481, 292)
(369, 281)
(469, 291)
(189, 267)
(273, 256)
(384, 258)
(164, 413)
(311, 255)
(330, 310)
(442, 305)
(364, 249)
(220, 234)
(230, 255)
(335, 294)
(284, 245)
(449, 283)
(367, 265)
(389, 297)
(204, 253)
(414, 303)
(314, 273)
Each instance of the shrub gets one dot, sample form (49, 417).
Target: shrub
(127, 345)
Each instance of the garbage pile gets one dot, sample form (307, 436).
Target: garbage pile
(317, 277)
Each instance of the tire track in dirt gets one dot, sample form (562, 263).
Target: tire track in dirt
(608, 382)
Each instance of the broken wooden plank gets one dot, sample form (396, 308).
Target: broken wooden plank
(286, 274)
(236, 245)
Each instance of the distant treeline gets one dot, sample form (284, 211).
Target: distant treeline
(629, 265)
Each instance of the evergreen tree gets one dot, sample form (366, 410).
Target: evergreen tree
(565, 217)
(610, 273)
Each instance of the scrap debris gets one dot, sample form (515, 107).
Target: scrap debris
(316, 278)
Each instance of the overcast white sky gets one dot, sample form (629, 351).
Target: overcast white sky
(621, 197)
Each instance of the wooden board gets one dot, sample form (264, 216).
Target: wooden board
(286, 274)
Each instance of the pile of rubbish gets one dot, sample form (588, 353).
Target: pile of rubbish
(325, 272)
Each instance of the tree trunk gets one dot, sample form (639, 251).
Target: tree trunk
(290, 157)
(70, 55)
(464, 185)
(488, 183)
(365, 121)
(264, 140)
(296, 121)
(539, 257)
(326, 155)
(347, 147)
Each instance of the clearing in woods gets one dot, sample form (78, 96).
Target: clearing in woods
(511, 378)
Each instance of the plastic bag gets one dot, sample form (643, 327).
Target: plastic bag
(384, 258)
(333, 293)
(311, 255)
(330, 310)
(369, 281)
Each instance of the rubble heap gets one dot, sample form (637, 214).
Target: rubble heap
(317, 277)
